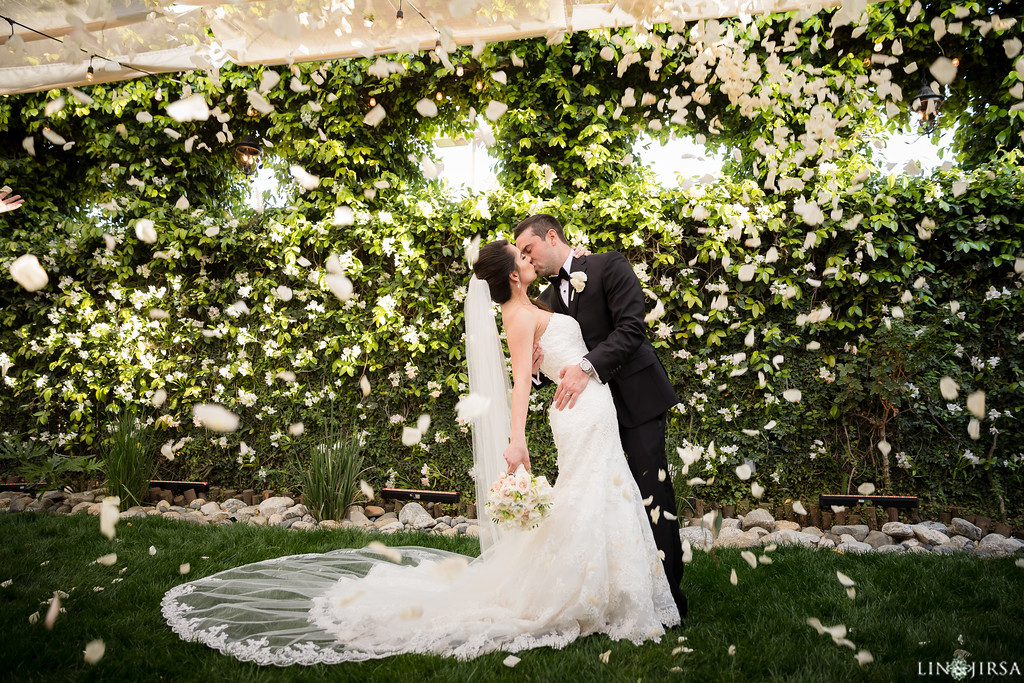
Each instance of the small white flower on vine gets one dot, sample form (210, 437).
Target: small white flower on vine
(578, 280)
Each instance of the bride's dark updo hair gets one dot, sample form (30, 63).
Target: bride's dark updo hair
(494, 264)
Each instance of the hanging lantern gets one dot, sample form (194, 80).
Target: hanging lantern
(247, 154)
(926, 105)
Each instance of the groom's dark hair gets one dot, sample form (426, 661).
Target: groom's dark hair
(539, 224)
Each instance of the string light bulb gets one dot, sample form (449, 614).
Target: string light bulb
(459, 71)
(479, 85)
(90, 74)
(437, 46)
(399, 17)
(956, 61)
(373, 101)
(439, 96)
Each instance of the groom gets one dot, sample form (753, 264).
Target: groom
(609, 307)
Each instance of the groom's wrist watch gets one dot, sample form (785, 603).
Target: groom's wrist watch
(588, 367)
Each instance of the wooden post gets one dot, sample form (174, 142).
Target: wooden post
(815, 515)
(892, 514)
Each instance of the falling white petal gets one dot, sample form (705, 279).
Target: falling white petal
(366, 489)
(386, 551)
(307, 180)
(375, 116)
(109, 515)
(145, 230)
(364, 386)
(94, 651)
(259, 102)
(296, 429)
(866, 489)
(215, 417)
(426, 107)
(192, 108)
(471, 407)
(864, 657)
(411, 436)
(976, 404)
(743, 472)
(944, 70)
(511, 661)
(792, 395)
(184, 568)
(495, 110)
(28, 273)
(732, 577)
(53, 611)
(974, 429)
(798, 508)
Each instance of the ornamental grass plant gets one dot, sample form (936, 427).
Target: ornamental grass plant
(128, 461)
(330, 480)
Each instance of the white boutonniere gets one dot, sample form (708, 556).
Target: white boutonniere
(578, 280)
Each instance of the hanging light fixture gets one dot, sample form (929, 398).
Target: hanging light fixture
(926, 105)
(247, 154)
(399, 17)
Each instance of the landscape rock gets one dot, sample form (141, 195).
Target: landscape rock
(275, 505)
(415, 516)
(356, 516)
(698, 537)
(1000, 543)
(877, 539)
(303, 526)
(855, 547)
(785, 525)
(790, 537)
(758, 517)
(929, 535)
(858, 531)
(384, 520)
(391, 527)
(898, 530)
(961, 527)
(210, 509)
(895, 548)
(373, 511)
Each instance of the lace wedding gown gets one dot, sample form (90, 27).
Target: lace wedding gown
(590, 567)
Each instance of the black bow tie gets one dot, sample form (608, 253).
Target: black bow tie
(557, 278)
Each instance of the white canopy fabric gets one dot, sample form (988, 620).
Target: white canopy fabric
(123, 39)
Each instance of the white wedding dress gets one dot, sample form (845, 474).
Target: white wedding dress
(590, 567)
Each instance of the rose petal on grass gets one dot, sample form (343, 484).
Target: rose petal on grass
(864, 657)
(27, 272)
(108, 560)
(511, 661)
(844, 579)
(94, 651)
(750, 558)
(851, 593)
(184, 568)
(732, 577)
(152, 550)
(605, 656)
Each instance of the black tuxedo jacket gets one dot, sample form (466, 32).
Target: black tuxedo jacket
(610, 311)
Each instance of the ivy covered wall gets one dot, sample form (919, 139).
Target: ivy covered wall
(806, 267)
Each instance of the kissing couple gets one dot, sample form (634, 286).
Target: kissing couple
(607, 558)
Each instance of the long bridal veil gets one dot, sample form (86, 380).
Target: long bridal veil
(277, 612)
(488, 384)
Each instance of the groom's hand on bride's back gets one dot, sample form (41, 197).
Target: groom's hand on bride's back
(538, 357)
(574, 381)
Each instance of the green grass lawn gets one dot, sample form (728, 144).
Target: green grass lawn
(909, 610)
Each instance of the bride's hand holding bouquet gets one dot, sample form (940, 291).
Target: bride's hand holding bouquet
(519, 500)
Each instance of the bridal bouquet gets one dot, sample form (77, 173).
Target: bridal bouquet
(519, 501)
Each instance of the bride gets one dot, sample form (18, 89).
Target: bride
(590, 567)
